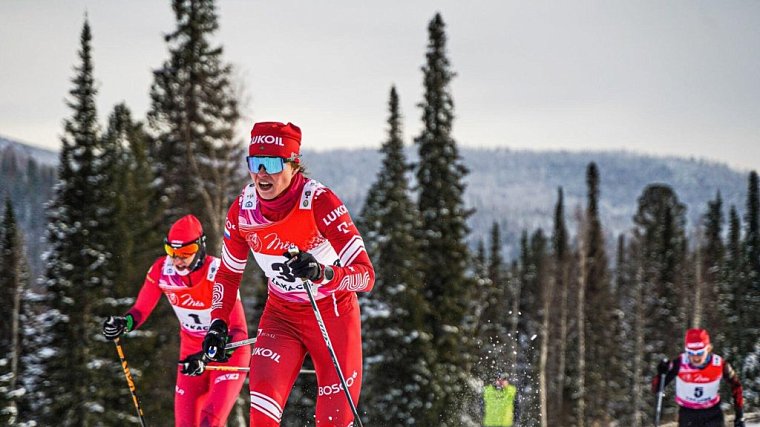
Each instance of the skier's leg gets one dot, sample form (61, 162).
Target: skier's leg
(276, 359)
(224, 388)
(189, 394)
(344, 329)
(709, 417)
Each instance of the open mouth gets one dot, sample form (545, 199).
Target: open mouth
(265, 186)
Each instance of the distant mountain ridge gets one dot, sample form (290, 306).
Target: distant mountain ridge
(41, 155)
(518, 188)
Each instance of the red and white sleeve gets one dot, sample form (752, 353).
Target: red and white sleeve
(355, 273)
(234, 258)
(149, 294)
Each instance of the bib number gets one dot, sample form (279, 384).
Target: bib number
(283, 272)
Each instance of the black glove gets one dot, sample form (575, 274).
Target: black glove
(215, 341)
(116, 326)
(738, 422)
(663, 367)
(304, 266)
(194, 364)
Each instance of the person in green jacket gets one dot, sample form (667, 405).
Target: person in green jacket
(500, 403)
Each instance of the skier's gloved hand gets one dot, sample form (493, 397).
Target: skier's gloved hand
(194, 364)
(116, 326)
(304, 266)
(663, 367)
(738, 422)
(215, 341)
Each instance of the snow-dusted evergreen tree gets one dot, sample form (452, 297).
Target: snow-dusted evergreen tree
(493, 329)
(14, 279)
(732, 291)
(625, 338)
(712, 252)
(749, 318)
(599, 307)
(194, 111)
(440, 177)
(534, 272)
(659, 256)
(660, 225)
(74, 261)
(137, 236)
(397, 347)
(132, 229)
(547, 286)
(562, 258)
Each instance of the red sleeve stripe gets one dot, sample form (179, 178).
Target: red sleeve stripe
(236, 265)
(349, 253)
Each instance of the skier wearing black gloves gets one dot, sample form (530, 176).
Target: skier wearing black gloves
(282, 210)
(186, 276)
(698, 373)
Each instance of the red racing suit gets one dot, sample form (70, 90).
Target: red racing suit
(312, 218)
(697, 389)
(207, 399)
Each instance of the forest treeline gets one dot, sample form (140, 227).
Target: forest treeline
(578, 329)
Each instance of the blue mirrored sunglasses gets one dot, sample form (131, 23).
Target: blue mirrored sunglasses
(696, 352)
(272, 165)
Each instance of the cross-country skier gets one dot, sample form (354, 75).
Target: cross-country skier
(698, 373)
(279, 210)
(186, 276)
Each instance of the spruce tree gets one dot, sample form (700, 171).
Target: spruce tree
(14, 279)
(397, 344)
(493, 329)
(732, 291)
(624, 323)
(749, 319)
(440, 177)
(134, 236)
(599, 307)
(660, 223)
(193, 114)
(535, 272)
(659, 236)
(562, 258)
(712, 257)
(75, 260)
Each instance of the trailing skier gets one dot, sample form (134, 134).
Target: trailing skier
(698, 373)
(186, 276)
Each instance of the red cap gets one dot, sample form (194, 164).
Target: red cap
(275, 139)
(186, 230)
(697, 339)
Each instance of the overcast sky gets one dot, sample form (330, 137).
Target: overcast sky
(657, 77)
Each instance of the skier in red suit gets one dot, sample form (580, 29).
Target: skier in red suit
(698, 373)
(282, 209)
(186, 276)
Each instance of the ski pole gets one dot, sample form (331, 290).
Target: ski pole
(310, 290)
(245, 369)
(660, 393)
(237, 344)
(130, 381)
